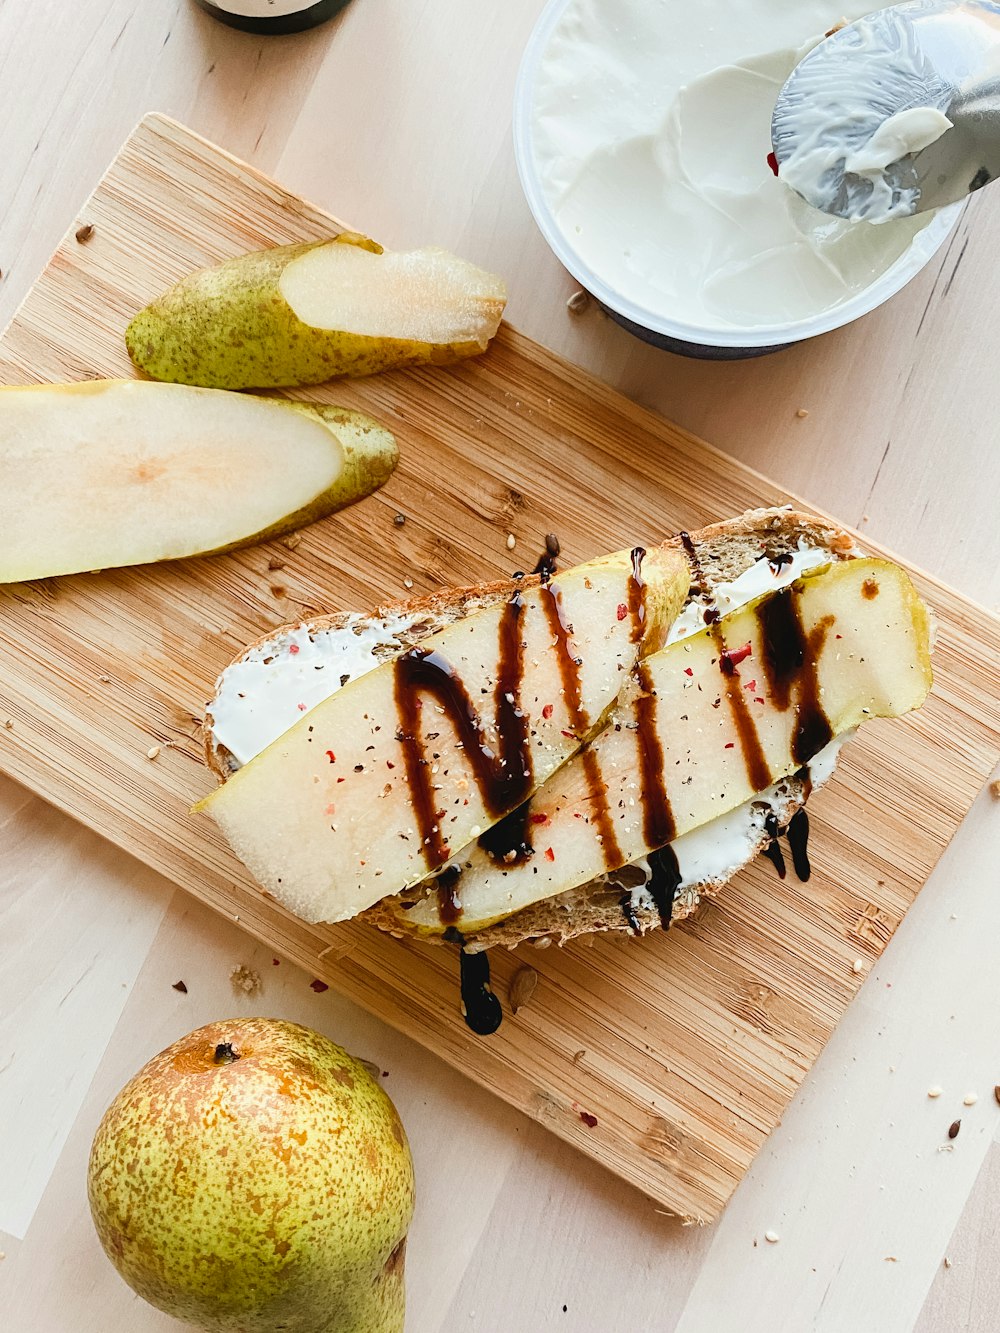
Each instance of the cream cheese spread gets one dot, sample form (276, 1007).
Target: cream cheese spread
(267, 691)
(835, 115)
(261, 696)
(650, 134)
(761, 577)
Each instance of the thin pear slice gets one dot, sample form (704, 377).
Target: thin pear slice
(384, 779)
(125, 472)
(708, 731)
(303, 314)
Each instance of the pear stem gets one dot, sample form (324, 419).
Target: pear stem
(225, 1054)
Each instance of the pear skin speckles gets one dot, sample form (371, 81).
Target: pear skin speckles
(229, 327)
(272, 1190)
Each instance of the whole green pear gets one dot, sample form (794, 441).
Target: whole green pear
(254, 1177)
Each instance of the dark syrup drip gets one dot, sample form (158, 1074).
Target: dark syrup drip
(657, 817)
(664, 881)
(503, 774)
(628, 912)
(637, 594)
(579, 719)
(797, 834)
(773, 850)
(790, 657)
(547, 560)
(508, 842)
(482, 1010)
(798, 844)
(754, 758)
(449, 905)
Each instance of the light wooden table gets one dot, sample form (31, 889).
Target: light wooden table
(398, 118)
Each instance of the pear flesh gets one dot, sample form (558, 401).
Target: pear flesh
(254, 1177)
(329, 817)
(126, 472)
(865, 638)
(303, 314)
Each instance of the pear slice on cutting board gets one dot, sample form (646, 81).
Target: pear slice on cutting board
(378, 784)
(303, 314)
(125, 472)
(708, 730)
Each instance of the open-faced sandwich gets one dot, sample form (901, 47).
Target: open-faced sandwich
(563, 752)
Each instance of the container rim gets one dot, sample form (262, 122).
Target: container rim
(921, 250)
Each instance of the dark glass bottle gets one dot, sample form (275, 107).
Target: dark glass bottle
(272, 17)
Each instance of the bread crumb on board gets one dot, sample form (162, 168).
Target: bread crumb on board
(245, 980)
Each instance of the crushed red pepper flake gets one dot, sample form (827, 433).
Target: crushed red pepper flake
(318, 986)
(293, 648)
(547, 711)
(540, 819)
(622, 610)
(331, 756)
(689, 671)
(589, 1120)
(549, 854)
(180, 986)
(734, 656)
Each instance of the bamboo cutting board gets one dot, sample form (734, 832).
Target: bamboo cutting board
(669, 1060)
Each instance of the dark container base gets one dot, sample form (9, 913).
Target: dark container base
(697, 351)
(312, 17)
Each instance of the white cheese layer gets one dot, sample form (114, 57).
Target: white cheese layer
(266, 692)
(651, 125)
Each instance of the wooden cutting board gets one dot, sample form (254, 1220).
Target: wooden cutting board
(669, 1060)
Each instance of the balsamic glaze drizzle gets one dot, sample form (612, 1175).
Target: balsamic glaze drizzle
(797, 834)
(503, 774)
(664, 881)
(798, 844)
(481, 1009)
(773, 850)
(757, 767)
(790, 658)
(449, 906)
(628, 911)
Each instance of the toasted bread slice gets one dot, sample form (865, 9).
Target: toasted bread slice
(320, 654)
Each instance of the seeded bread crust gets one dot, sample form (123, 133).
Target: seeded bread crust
(724, 551)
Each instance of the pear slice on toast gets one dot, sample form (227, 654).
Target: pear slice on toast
(716, 718)
(385, 780)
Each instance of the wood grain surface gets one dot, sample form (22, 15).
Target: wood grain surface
(687, 1047)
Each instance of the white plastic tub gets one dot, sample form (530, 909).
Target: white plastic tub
(724, 342)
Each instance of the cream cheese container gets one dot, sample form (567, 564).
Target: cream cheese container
(641, 132)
